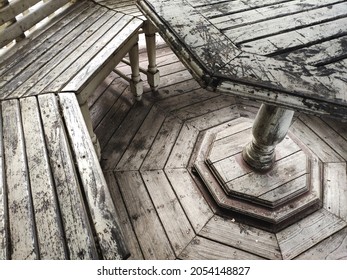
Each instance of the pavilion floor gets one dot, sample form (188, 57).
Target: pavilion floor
(148, 149)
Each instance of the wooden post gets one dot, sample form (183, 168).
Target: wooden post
(136, 85)
(153, 76)
(270, 127)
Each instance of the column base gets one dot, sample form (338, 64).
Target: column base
(271, 200)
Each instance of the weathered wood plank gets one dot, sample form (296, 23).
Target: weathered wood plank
(75, 221)
(42, 62)
(335, 189)
(4, 234)
(127, 27)
(240, 236)
(28, 21)
(190, 197)
(338, 126)
(27, 53)
(14, 8)
(332, 248)
(125, 223)
(314, 143)
(329, 136)
(184, 142)
(99, 201)
(169, 209)
(122, 136)
(162, 145)
(302, 235)
(74, 56)
(22, 226)
(211, 119)
(254, 184)
(149, 231)
(297, 38)
(205, 249)
(136, 152)
(282, 24)
(50, 236)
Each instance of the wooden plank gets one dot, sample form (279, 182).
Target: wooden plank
(15, 8)
(286, 23)
(54, 31)
(41, 63)
(22, 224)
(329, 136)
(30, 20)
(122, 136)
(136, 152)
(126, 28)
(297, 38)
(184, 142)
(243, 237)
(216, 117)
(50, 236)
(302, 235)
(230, 145)
(162, 144)
(75, 221)
(260, 14)
(58, 71)
(147, 226)
(320, 53)
(335, 189)
(314, 142)
(205, 249)
(293, 166)
(124, 219)
(4, 234)
(97, 195)
(190, 197)
(169, 209)
(338, 126)
(332, 248)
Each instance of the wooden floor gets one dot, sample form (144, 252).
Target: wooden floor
(149, 147)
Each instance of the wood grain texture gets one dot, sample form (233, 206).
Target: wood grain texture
(332, 248)
(4, 235)
(169, 209)
(145, 221)
(240, 236)
(124, 219)
(205, 249)
(50, 236)
(77, 229)
(335, 189)
(299, 237)
(98, 198)
(20, 210)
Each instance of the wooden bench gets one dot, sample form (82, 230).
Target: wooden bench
(54, 202)
(73, 52)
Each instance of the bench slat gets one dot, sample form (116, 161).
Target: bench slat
(25, 23)
(107, 53)
(40, 37)
(21, 218)
(14, 9)
(47, 217)
(78, 233)
(97, 194)
(4, 248)
(48, 55)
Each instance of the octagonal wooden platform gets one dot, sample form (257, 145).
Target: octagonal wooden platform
(149, 148)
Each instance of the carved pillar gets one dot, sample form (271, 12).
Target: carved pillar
(270, 127)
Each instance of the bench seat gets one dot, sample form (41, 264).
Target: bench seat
(54, 201)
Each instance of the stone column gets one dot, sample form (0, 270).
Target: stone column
(270, 127)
